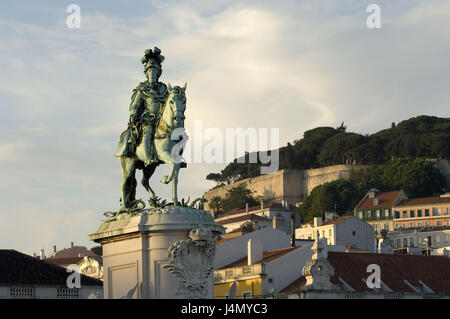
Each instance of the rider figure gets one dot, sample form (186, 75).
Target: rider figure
(146, 103)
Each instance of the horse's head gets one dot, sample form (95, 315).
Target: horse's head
(176, 104)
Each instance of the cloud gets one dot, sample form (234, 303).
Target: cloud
(295, 65)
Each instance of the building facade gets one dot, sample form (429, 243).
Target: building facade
(377, 209)
(261, 272)
(273, 215)
(422, 212)
(344, 231)
(27, 277)
(426, 239)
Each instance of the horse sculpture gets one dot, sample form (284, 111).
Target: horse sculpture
(167, 136)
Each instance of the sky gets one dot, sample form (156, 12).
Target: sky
(291, 65)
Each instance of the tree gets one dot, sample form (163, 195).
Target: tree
(339, 196)
(215, 203)
(237, 197)
(368, 178)
(98, 250)
(342, 149)
(216, 177)
(417, 177)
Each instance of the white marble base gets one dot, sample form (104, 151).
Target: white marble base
(136, 261)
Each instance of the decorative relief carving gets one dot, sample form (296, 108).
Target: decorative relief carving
(191, 261)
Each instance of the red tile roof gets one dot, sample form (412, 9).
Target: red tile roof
(64, 261)
(434, 271)
(386, 199)
(249, 217)
(268, 255)
(336, 221)
(424, 201)
(75, 251)
(256, 208)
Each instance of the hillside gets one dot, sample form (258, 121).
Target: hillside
(418, 137)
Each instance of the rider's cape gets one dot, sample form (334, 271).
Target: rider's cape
(129, 138)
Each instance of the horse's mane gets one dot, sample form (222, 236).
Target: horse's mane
(180, 94)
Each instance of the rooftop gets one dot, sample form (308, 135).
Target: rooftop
(386, 199)
(75, 251)
(256, 208)
(336, 221)
(268, 256)
(434, 271)
(249, 217)
(17, 268)
(424, 201)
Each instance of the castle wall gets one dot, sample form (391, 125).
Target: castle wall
(290, 185)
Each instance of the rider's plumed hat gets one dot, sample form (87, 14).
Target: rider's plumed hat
(152, 58)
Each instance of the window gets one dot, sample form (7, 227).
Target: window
(427, 212)
(378, 214)
(439, 223)
(436, 211)
(427, 224)
(411, 213)
(405, 225)
(448, 222)
(447, 211)
(386, 213)
(419, 213)
(369, 214)
(419, 224)
(361, 215)
(386, 226)
(398, 243)
(329, 232)
(405, 242)
(411, 241)
(397, 214)
(405, 214)
(247, 295)
(412, 225)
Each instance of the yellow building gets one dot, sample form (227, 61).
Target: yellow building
(260, 273)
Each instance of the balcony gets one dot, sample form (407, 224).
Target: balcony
(236, 273)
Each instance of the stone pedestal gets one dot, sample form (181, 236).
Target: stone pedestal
(159, 253)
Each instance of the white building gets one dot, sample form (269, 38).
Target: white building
(230, 250)
(339, 275)
(276, 215)
(344, 231)
(422, 238)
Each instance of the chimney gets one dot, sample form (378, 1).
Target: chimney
(254, 251)
(42, 254)
(246, 208)
(317, 221)
(292, 231)
(71, 245)
(54, 248)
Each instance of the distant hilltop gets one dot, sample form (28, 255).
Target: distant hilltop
(418, 137)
